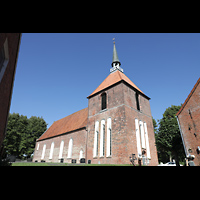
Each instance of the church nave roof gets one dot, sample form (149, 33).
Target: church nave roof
(67, 124)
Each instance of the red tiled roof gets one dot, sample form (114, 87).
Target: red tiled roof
(113, 78)
(192, 91)
(67, 124)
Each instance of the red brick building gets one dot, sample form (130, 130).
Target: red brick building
(9, 49)
(116, 124)
(188, 118)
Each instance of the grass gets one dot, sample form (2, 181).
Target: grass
(61, 164)
(29, 164)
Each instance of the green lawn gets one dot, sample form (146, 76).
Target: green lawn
(61, 164)
(29, 164)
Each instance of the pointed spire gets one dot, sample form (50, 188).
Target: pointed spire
(115, 63)
(115, 56)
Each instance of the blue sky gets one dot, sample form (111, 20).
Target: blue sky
(57, 71)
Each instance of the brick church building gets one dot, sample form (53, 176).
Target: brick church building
(116, 124)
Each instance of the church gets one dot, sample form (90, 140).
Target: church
(116, 124)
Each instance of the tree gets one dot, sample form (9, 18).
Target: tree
(168, 139)
(15, 127)
(154, 125)
(21, 134)
(36, 127)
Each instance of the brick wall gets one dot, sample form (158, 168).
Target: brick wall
(6, 84)
(79, 142)
(190, 125)
(121, 107)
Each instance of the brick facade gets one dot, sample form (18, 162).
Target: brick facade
(79, 143)
(121, 107)
(6, 82)
(189, 118)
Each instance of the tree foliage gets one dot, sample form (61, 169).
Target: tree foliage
(155, 125)
(168, 138)
(21, 134)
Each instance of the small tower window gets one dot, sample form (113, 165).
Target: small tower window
(190, 114)
(103, 101)
(137, 101)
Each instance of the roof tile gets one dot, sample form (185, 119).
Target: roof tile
(113, 78)
(67, 124)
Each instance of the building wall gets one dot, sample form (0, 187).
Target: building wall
(115, 110)
(143, 115)
(121, 107)
(79, 143)
(190, 124)
(6, 83)
(131, 114)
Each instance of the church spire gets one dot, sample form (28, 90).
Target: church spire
(115, 62)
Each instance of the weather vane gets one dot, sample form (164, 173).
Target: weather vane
(113, 40)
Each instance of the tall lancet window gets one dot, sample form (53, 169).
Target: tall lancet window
(81, 154)
(142, 135)
(147, 140)
(138, 138)
(96, 136)
(102, 138)
(109, 138)
(61, 149)
(51, 150)
(43, 151)
(70, 148)
(103, 101)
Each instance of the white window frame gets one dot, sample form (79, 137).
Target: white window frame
(51, 151)
(96, 135)
(38, 146)
(147, 141)
(61, 149)
(142, 134)
(6, 60)
(69, 155)
(138, 138)
(43, 151)
(102, 139)
(109, 137)
(81, 154)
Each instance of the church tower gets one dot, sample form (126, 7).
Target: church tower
(119, 121)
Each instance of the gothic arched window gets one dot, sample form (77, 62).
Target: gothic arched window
(61, 149)
(70, 148)
(103, 101)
